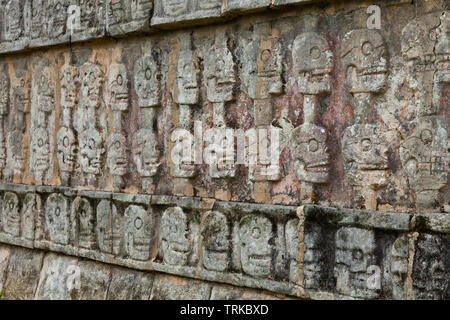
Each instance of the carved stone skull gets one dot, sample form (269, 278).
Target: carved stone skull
(147, 82)
(86, 222)
(365, 148)
(14, 22)
(4, 91)
(11, 214)
(313, 63)
(425, 159)
(141, 9)
(174, 8)
(116, 11)
(215, 233)
(31, 213)
(117, 158)
(431, 269)
(221, 78)
(57, 10)
(92, 151)
(145, 153)
(109, 227)
(175, 243)
(138, 232)
(45, 93)
(118, 87)
(291, 234)
(91, 85)
(57, 218)
(399, 267)
(69, 79)
(183, 154)
(310, 153)
(40, 152)
(255, 235)
(269, 71)
(67, 149)
(355, 250)
(364, 61)
(187, 78)
(313, 264)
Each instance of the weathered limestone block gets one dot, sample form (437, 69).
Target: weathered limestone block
(4, 111)
(355, 253)
(94, 280)
(109, 227)
(60, 277)
(22, 278)
(124, 17)
(216, 234)
(431, 267)
(139, 229)
(5, 253)
(16, 25)
(245, 6)
(84, 214)
(175, 245)
(172, 288)
(129, 285)
(58, 219)
(92, 20)
(170, 13)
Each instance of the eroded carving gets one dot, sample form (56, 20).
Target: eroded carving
(355, 249)
(255, 235)
(109, 228)
(57, 218)
(365, 145)
(31, 216)
(174, 240)
(215, 232)
(4, 111)
(11, 214)
(138, 232)
(14, 23)
(85, 217)
(399, 267)
(291, 233)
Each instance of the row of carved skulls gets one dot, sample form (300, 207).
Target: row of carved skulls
(133, 231)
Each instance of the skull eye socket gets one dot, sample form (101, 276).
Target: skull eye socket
(66, 141)
(357, 254)
(83, 213)
(426, 136)
(120, 79)
(367, 48)
(187, 69)
(265, 55)
(432, 35)
(58, 212)
(313, 145)
(138, 223)
(315, 53)
(366, 145)
(148, 74)
(256, 233)
(40, 142)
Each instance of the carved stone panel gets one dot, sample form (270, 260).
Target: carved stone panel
(57, 218)
(11, 214)
(255, 234)
(185, 11)
(32, 212)
(139, 228)
(174, 241)
(84, 215)
(109, 228)
(145, 153)
(147, 81)
(215, 232)
(128, 16)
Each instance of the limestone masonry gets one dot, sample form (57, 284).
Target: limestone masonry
(223, 149)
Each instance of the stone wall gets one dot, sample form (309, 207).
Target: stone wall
(327, 144)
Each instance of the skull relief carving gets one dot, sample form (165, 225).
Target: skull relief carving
(364, 60)
(138, 232)
(310, 153)
(31, 213)
(147, 82)
(11, 214)
(221, 78)
(117, 157)
(67, 150)
(187, 78)
(291, 234)
(69, 86)
(313, 264)
(118, 87)
(313, 63)
(215, 233)
(40, 153)
(13, 20)
(255, 234)
(92, 151)
(57, 11)
(86, 222)
(145, 153)
(355, 250)
(109, 228)
(57, 218)
(91, 84)
(175, 243)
